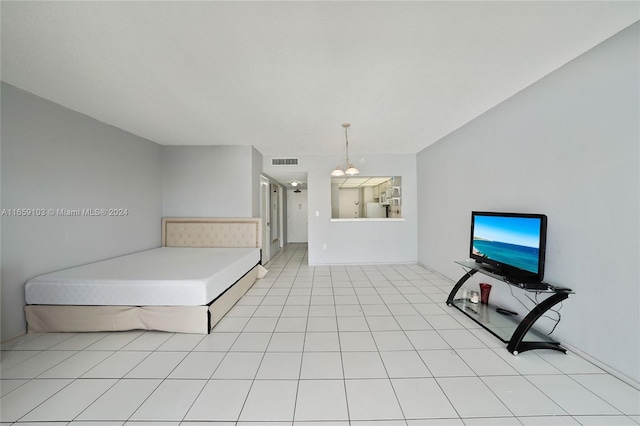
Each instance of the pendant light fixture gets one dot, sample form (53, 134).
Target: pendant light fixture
(351, 169)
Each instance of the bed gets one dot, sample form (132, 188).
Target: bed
(205, 265)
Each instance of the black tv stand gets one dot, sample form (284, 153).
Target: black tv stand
(506, 327)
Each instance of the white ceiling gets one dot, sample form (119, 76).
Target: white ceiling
(284, 76)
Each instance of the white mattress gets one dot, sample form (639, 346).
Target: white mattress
(166, 276)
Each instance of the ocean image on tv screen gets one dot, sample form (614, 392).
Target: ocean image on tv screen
(512, 241)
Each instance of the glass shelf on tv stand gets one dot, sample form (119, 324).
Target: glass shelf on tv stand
(527, 285)
(514, 330)
(500, 325)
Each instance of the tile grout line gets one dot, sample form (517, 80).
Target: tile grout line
(280, 253)
(265, 351)
(344, 376)
(390, 274)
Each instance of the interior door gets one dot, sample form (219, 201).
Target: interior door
(274, 219)
(297, 217)
(265, 215)
(273, 214)
(349, 203)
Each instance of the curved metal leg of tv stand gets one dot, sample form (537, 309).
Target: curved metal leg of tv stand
(459, 284)
(516, 345)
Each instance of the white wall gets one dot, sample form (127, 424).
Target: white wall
(363, 241)
(568, 147)
(256, 171)
(210, 181)
(53, 157)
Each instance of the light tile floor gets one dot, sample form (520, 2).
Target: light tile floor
(315, 346)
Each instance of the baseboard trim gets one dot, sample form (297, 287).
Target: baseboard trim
(617, 374)
(363, 263)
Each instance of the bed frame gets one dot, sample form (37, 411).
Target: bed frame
(176, 232)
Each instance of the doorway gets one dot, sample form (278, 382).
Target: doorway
(297, 216)
(265, 213)
(275, 218)
(349, 203)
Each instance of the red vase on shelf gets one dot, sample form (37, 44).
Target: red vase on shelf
(485, 289)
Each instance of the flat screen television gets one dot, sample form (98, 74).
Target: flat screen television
(513, 244)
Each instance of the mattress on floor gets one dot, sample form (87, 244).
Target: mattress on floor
(166, 276)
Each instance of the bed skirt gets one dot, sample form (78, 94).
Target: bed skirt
(176, 319)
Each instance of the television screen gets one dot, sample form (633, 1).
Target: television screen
(512, 242)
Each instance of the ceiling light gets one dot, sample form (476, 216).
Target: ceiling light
(351, 169)
(294, 183)
(337, 172)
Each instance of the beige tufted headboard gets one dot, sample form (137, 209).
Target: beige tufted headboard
(211, 232)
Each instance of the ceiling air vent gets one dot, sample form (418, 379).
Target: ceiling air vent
(284, 161)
